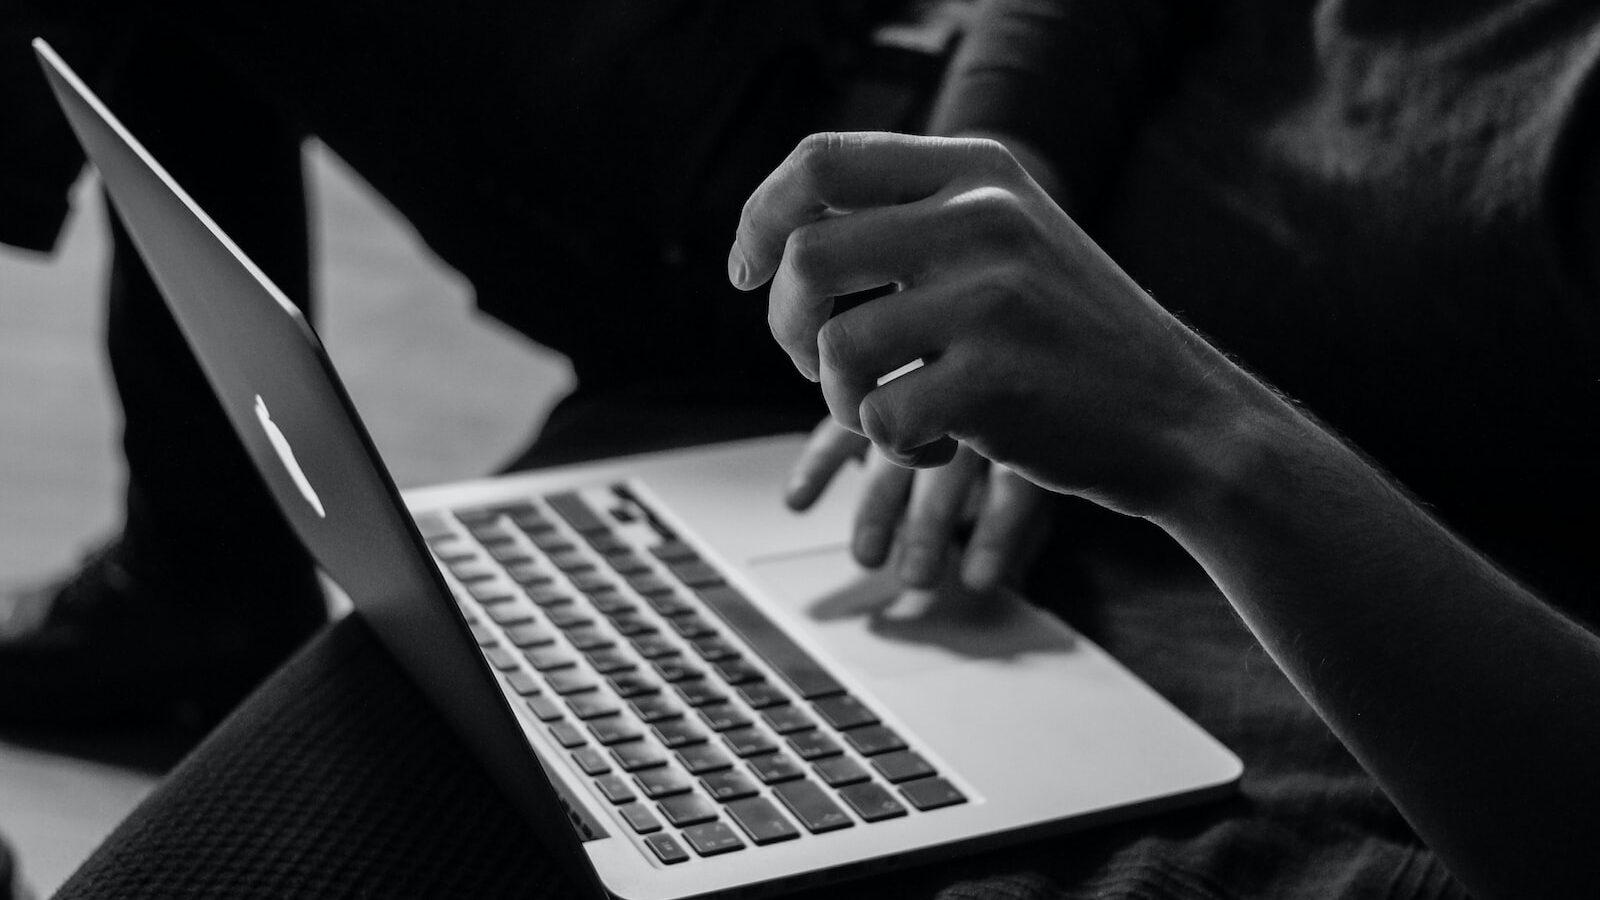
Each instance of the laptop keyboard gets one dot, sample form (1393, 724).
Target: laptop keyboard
(706, 726)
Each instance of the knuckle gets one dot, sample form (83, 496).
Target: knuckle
(806, 255)
(838, 344)
(994, 215)
(818, 155)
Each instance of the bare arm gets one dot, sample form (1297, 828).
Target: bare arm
(1470, 700)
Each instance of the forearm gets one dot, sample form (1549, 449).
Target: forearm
(1470, 700)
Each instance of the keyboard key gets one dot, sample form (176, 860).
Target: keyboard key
(528, 574)
(787, 719)
(663, 782)
(814, 744)
(772, 768)
(840, 771)
(702, 758)
(522, 682)
(872, 801)
(587, 637)
(608, 544)
(647, 582)
(632, 625)
(434, 526)
(530, 520)
(548, 596)
(844, 712)
(690, 625)
(713, 648)
(688, 809)
(615, 729)
(593, 583)
(673, 551)
(655, 708)
(700, 692)
(676, 733)
(545, 707)
(901, 765)
(695, 572)
(551, 541)
(591, 761)
(932, 793)
(775, 647)
(489, 593)
(510, 614)
(712, 838)
(666, 848)
(567, 734)
(723, 716)
(592, 705)
(571, 561)
(483, 634)
(635, 755)
(736, 671)
(509, 554)
(568, 505)
(729, 785)
(611, 603)
(472, 570)
(652, 646)
(546, 659)
(569, 616)
(669, 603)
(762, 820)
(676, 668)
(641, 819)
(870, 740)
(614, 788)
(607, 660)
(748, 741)
(761, 694)
(477, 515)
(502, 658)
(570, 681)
(530, 634)
(633, 684)
(812, 806)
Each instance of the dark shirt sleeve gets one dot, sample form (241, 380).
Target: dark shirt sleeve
(1071, 77)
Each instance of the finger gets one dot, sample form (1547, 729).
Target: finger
(909, 420)
(843, 172)
(844, 255)
(937, 499)
(883, 503)
(830, 445)
(1007, 532)
(859, 347)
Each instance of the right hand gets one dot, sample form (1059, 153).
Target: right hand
(918, 517)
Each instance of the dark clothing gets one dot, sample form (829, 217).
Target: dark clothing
(1372, 208)
(1383, 209)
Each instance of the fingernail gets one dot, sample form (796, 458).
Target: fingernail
(738, 269)
(871, 546)
(920, 566)
(982, 570)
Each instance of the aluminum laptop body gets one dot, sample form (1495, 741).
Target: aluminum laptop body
(1014, 726)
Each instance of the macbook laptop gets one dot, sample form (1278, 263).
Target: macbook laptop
(686, 688)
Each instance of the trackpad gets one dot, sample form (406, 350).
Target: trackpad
(869, 621)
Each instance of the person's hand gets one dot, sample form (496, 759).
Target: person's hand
(1038, 351)
(981, 518)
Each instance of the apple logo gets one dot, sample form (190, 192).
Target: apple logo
(286, 453)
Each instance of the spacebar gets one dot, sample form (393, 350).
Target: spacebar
(780, 651)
